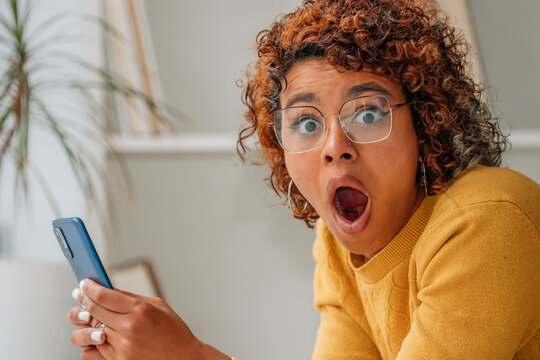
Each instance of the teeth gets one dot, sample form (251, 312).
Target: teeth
(337, 204)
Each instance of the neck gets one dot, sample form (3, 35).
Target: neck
(420, 195)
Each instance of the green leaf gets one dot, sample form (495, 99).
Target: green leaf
(7, 82)
(4, 117)
(26, 116)
(56, 129)
(21, 148)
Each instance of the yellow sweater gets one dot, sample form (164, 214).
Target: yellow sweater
(460, 281)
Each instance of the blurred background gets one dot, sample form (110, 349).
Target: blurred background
(172, 210)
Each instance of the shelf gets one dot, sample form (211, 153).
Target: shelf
(525, 139)
(225, 143)
(182, 143)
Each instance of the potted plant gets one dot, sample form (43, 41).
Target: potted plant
(22, 106)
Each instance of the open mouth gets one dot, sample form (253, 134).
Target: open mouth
(350, 203)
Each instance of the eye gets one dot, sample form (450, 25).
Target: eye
(369, 116)
(306, 125)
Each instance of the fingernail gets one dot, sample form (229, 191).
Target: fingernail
(81, 284)
(84, 315)
(75, 293)
(96, 335)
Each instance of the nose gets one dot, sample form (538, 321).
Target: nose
(337, 146)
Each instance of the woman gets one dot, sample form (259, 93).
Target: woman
(373, 128)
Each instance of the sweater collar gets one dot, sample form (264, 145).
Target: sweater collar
(398, 249)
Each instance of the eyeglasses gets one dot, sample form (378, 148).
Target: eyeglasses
(364, 120)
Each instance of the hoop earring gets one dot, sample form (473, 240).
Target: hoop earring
(424, 176)
(289, 200)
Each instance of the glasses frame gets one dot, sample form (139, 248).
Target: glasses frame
(341, 124)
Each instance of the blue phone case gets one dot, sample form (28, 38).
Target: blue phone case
(79, 250)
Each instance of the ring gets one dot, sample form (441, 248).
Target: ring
(102, 327)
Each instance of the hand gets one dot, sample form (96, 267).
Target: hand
(81, 318)
(138, 327)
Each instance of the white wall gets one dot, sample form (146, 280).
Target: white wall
(508, 33)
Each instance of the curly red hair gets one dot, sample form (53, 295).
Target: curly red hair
(408, 42)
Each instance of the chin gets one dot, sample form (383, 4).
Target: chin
(361, 244)
(364, 242)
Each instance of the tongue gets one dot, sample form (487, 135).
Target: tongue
(350, 202)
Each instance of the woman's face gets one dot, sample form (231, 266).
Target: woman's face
(365, 193)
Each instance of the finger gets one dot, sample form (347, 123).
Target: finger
(75, 293)
(115, 341)
(78, 316)
(114, 338)
(110, 318)
(107, 350)
(107, 298)
(94, 322)
(88, 347)
(92, 354)
(87, 336)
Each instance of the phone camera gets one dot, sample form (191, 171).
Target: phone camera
(63, 243)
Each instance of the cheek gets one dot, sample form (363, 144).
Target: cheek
(394, 163)
(291, 163)
(302, 168)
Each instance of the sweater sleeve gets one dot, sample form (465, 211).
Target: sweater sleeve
(478, 285)
(340, 336)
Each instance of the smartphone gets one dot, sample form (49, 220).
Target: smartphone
(79, 250)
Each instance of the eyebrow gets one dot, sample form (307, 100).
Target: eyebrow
(354, 91)
(358, 90)
(304, 97)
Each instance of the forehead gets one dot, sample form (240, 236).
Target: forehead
(320, 78)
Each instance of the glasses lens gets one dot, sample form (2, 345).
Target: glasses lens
(299, 129)
(367, 119)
